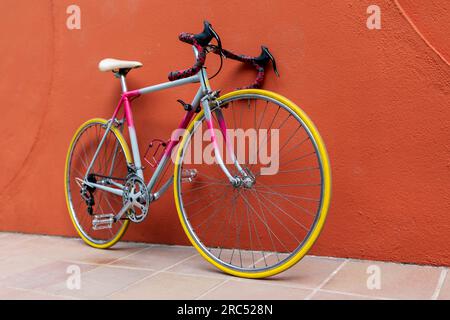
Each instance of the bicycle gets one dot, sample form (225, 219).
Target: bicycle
(243, 221)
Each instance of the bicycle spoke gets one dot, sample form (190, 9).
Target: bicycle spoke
(209, 205)
(290, 201)
(301, 157)
(238, 233)
(270, 229)
(297, 185)
(265, 223)
(218, 233)
(283, 211)
(200, 198)
(213, 215)
(210, 178)
(269, 134)
(250, 233)
(262, 116)
(203, 187)
(285, 195)
(296, 146)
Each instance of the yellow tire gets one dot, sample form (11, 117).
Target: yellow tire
(99, 244)
(325, 193)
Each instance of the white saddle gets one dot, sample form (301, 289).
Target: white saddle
(114, 65)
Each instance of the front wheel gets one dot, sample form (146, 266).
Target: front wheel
(268, 222)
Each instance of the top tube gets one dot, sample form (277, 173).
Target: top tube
(167, 85)
(201, 77)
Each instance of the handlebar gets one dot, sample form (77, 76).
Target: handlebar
(202, 41)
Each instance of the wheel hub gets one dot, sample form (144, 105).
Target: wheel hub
(247, 180)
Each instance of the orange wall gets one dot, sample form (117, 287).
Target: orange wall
(380, 99)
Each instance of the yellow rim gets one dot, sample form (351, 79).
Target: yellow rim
(128, 157)
(326, 195)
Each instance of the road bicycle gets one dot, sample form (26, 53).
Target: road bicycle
(245, 221)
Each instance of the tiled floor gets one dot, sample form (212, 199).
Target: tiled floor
(43, 267)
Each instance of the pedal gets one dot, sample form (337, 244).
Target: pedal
(188, 175)
(102, 221)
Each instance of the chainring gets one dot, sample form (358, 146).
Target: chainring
(136, 193)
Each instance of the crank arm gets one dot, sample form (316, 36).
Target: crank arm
(127, 206)
(163, 189)
(124, 209)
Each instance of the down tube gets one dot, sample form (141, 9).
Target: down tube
(167, 154)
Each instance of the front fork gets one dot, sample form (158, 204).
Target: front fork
(245, 175)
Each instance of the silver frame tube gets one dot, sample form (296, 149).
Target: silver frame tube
(108, 128)
(104, 188)
(135, 151)
(168, 85)
(123, 83)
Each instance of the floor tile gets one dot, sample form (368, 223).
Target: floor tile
(18, 294)
(14, 238)
(309, 272)
(60, 248)
(156, 257)
(255, 290)
(36, 267)
(444, 293)
(168, 286)
(396, 281)
(99, 283)
(14, 265)
(43, 275)
(324, 295)
(198, 266)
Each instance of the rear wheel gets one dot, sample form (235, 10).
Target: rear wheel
(259, 228)
(91, 210)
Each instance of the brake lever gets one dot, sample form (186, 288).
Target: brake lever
(219, 42)
(271, 58)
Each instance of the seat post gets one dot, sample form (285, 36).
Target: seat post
(122, 74)
(123, 83)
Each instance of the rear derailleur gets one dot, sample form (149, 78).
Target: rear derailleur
(87, 193)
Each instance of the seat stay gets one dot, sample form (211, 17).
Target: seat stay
(102, 141)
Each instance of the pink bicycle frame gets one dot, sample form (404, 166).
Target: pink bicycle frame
(200, 98)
